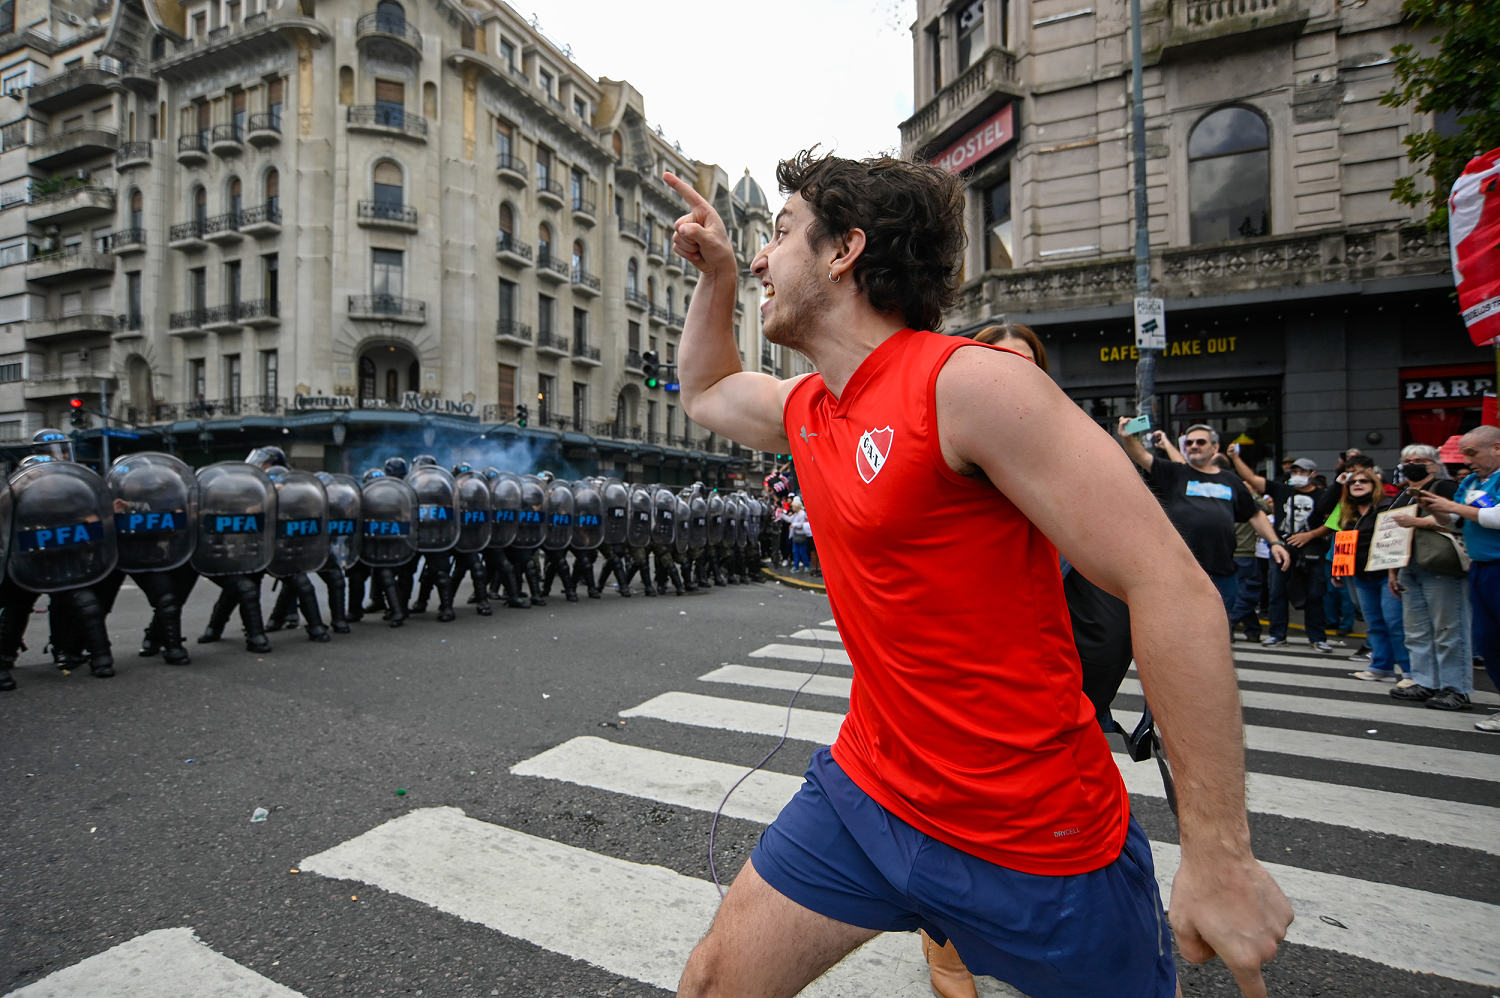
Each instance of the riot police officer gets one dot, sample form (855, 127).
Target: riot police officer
(236, 542)
(155, 502)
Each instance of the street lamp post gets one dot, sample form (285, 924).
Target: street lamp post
(1145, 365)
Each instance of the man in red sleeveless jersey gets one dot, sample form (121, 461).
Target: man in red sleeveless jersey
(970, 792)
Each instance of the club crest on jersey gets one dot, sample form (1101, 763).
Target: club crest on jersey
(874, 448)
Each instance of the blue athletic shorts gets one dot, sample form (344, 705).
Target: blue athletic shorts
(835, 851)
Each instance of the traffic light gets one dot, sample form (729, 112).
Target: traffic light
(521, 414)
(651, 366)
(79, 416)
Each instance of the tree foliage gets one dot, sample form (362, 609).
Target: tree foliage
(1460, 81)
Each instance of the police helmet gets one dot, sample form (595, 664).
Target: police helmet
(30, 460)
(546, 476)
(491, 473)
(267, 457)
(423, 461)
(462, 468)
(370, 475)
(395, 467)
(52, 442)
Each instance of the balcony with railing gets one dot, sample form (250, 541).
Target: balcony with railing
(226, 140)
(511, 250)
(632, 230)
(74, 145)
(387, 215)
(133, 154)
(187, 236)
(633, 361)
(72, 324)
(583, 210)
(188, 322)
(1207, 27)
(553, 268)
(513, 333)
(73, 203)
(259, 312)
(585, 355)
(766, 360)
(123, 242)
(388, 34)
(66, 264)
(510, 168)
(74, 84)
(128, 324)
(654, 251)
(674, 320)
(221, 318)
(378, 119)
(550, 344)
(636, 300)
(658, 314)
(261, 220)
(993, 74)
(192, 149)
(264, 129)
(586, 283)
(223, 229)
(62, 385)
(388, 308)
(549, 192)
(674, 262)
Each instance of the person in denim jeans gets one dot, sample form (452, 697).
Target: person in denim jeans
(1435, 607)
(1362, 499)
(801, 533)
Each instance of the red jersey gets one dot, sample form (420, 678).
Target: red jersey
(967, 718)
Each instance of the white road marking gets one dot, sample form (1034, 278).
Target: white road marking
(802, 653)
(167, 963)
(817, 634)
(630, 919)
(1396, 926)
(1376, 712)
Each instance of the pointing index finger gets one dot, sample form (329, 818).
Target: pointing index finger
(685, 190)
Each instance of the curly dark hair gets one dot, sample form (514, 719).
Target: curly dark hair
(912, 215)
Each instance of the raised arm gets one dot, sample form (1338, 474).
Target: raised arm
(1133, 447)
(717, 393)
(1247, 474)
(1005, 418)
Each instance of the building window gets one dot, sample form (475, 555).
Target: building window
(386, 186)
(390, 103)
(545, 389)
(546, 313)
(232, 379)
(580, 404)
(505, 139)
(273, 193)
(270, 278)
(969, 25)
(232, 283)
(390, 17)
(200, 207)
(508, 55)
(386, 273)
(633, 335)
(543, 166)
(237, 112)
(133, 299)
(505, 392)
(1229, 176)
(575, 188)
(268, 371)
(507, 305)
(544, 77)
(198, 378)
(632, 277)
(137, 210)
(235, 197)
(671, 422)
(998, 232)
(581, 108)
(10, 372)
(651, 407)
(198, 289)
(580, 259)
(935, 54)
(580, 329)
(274, 89)
(543, 244)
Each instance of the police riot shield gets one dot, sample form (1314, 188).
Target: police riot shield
(62, 532)
(734, 526)
(388, 516)
(559, 534)
(642, 517)
(588, 516)
(155, 498)
(716, 519)
(437, 507)
(7, 508)
(757, 522)
(616, 500)
(344, 535)
(684, 526)
(475, 523)
(236, 520)
(505, 501)
(301, 524)
(664, 516)
(531, 521)
(698, 522)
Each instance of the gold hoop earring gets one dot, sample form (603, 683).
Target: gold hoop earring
(835, 280)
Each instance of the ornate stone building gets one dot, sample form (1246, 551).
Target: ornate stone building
(1306, 311)
(355, 224)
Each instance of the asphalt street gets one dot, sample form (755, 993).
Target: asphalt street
(129, 806)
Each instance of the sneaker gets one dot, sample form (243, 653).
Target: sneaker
(1270, 642)
(1360, 656)
(1491, 723)
(1322, 646)
(1416, 691)
(1375, 675)
(1450, 699)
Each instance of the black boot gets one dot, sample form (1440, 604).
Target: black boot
(250, 618)
(90, 616)
(218, 618)
(337, 619)
(284, 610)
(307, 599)
(6, 683)
(172, 651)
(150, 642)
(396, 616)
(534, 583)
(446, 587)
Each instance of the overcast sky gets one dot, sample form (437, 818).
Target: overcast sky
(747, 85)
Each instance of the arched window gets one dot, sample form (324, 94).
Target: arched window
(235, 196)
(429, 101)
(507, 220)
(366, 377)
(387, 184)
(273, 191)
(544, 244)
(1229, 176)
(671, 300)
(200, 205)
(651, 290)
(633, 277)
(137, 210)
(390, 16)
(580, 258)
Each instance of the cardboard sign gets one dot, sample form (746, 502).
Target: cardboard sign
(1390, 545)
(1345, 542)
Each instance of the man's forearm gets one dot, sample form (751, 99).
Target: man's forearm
(707, 353)
(1261, 524)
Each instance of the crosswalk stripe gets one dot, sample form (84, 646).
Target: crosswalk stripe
(830, 622)
(1454, 823)
(817, 634)
(802, 653)
(631, 919)
(1373, 711)
(1398, 926)
(1285, 741)
(1341, 681)
(166, 963)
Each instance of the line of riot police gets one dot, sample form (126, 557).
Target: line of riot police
(400, 530)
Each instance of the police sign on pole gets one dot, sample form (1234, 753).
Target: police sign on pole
(1150, 324)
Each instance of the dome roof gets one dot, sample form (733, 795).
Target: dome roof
(748, 192)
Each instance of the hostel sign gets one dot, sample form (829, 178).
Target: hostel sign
(988, 137)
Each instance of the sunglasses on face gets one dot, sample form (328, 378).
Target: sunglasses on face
(1198, 443)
